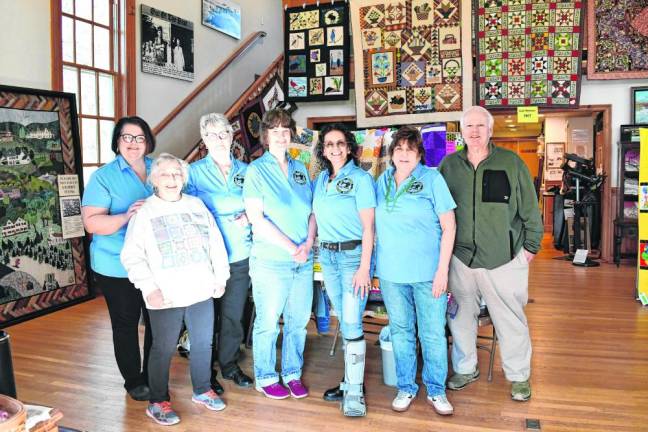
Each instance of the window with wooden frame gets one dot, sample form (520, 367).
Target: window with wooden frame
(88, 40)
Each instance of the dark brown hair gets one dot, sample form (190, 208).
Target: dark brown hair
(273, 119)
(348, 137)
(412, 137)
(137, 121)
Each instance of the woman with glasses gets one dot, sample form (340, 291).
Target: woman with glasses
(218, 181)
(277, 194)
(114, 193)
(343, 204)
(415, 230)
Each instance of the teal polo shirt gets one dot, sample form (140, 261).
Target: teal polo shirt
(224, 199)
(408, 232)
(114, 186)
(336, 203)
(286, 202)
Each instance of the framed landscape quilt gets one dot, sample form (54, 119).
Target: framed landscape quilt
(43, 263)
(528, 52)
(412, 60)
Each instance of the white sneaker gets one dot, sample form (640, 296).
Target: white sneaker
(441, 404)
(402, 401)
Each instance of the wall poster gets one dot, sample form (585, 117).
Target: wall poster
(167, 44)
(222, 15)
(40, 269)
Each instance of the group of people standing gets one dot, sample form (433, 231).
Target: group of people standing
(169, 238)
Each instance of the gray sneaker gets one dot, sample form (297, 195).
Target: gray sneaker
(521, 391)
(459, 381)
(162, 413)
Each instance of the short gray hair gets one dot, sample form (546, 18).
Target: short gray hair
(214, 119)
(167, 158)
(482, 110)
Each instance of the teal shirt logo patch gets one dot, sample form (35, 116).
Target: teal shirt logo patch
(299, 177)
(415, 187)
(344, 186)
(238, 180)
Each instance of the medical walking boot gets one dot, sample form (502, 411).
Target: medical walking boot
(353, 401)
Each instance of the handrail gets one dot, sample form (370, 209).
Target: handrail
(251, 39)
(257, 86)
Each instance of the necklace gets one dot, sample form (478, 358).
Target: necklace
(390, 203)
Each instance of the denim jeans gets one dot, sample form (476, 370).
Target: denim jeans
(409, 304)
(166, 325)
(280, 287)
(338, 269)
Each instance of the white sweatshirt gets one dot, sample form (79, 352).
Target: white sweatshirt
(176, 247)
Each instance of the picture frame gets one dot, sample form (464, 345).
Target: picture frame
(41, 182)
(250, 121)
(223, 16)
(639, 107)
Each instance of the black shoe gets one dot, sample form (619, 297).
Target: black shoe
(333, 394)
(216, 386)
(239, 378)
(140, 393)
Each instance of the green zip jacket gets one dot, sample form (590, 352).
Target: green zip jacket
(497, 209)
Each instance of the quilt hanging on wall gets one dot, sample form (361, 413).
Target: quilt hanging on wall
(316, 53)
(409, 60)
(528, 52)
(617, 39)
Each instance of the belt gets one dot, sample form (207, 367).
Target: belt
(336, 247)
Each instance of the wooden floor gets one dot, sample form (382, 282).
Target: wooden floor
(590, 371)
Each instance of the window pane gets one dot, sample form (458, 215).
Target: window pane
(102, 48)
(67, 6)
(71, 82)
(67, 34)
(106, 96)
(101, 11)
(87, 172)
(105, 137)
(88, 93)
(84, 9)
(89, 140)
(83, 43)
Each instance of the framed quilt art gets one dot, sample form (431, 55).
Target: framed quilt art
(528, 52)
(617, 39)
(316, 53)
(43, 258)
(250, 122)
(412, 60)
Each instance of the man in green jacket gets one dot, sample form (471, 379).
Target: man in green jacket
(499, 231)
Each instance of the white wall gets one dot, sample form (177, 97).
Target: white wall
(157, 95)
(25, 55)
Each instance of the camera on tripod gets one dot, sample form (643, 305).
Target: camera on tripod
(581, 169)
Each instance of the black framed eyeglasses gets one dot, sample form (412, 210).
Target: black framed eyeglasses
(128, 138)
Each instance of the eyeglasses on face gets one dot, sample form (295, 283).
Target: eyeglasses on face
(331, 144)
(220, 135)
(128, 138)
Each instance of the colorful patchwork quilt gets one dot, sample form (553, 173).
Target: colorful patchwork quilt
(528, 52)
(316, 58)
(409, 60)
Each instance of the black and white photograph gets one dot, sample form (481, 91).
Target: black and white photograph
(166, 44)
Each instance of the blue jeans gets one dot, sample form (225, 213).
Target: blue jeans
(280, 287)
(338, 269)
(408, 304)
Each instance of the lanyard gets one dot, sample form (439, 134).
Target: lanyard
(390, 203)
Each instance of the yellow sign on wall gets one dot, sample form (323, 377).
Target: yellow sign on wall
(642, 258)
(527, 114)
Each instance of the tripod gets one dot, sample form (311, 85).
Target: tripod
(580, 212)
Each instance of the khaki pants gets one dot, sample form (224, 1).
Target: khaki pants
(505, 291)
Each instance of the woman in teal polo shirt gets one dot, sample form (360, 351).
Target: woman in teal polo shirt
(114, 193)
(277, 194)
(343, 203)
(218, 181)
(415, 229)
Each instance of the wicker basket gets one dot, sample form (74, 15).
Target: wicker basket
(17, 412)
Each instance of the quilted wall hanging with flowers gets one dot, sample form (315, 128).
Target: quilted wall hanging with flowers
(412, 60)
(617, 39)
(316, 57)
(528, 52)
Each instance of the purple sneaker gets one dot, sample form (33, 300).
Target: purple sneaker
(274, 391)
(297, 389)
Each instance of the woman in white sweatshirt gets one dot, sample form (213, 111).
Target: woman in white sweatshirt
(175, 255)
